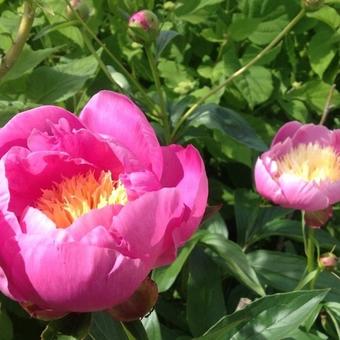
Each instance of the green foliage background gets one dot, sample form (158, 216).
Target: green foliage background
(249, 250)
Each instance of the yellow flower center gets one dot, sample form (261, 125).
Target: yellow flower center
(311, 162)
(76, 196)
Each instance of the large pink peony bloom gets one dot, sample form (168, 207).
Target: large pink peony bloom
(89, 206)
(302, 168)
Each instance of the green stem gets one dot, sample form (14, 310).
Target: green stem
(121, 67)
(100, 62)
(24, 29)
(155, 75)
(310, 250)
(327, 105)
(240, 71)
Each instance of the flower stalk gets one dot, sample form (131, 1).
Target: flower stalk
(239, 72)
(24, 29)
(155, 75)
(121, 67)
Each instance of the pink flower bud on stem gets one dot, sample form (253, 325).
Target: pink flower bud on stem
(328, 261)
(143, 26)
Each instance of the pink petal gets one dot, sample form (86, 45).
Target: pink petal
(286, 131)
(193, 188)
(265, 184)
(312, 134)
(116, 116)
(147, 223)
(302, 195)
(331, 190)
(73, 277)
(78, 144)
(28, 173)
(17, 130)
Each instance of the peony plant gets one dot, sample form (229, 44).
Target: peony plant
(90, 205)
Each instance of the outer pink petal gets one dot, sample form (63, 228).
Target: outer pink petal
(331, 190)
(116, 116)
(147, 223)
(13, 279)
(303, 195)
(266, 185)
(286, 131)
(28, 173)
(74, 277)
(193, 188)
(17, 130)
(336, 140)
(78, 144)
(312, 134)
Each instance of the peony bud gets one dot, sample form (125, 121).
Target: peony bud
(312, 5)
(143, 26)
(80, 7)
(169, 6)
(316, 219)
(139, 304)
(328, 261)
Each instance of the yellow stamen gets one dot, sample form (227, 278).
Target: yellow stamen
(311, 162)
(76, 196)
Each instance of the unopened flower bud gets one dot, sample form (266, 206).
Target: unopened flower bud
(312, 5)
(80, 7)
(169, 6)
(328, 261)
(143, 26)
(139, 304)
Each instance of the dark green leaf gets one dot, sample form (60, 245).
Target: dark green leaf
(270, 317)
(228, 122)
(235, 260)
(163, 40)
(204, 293)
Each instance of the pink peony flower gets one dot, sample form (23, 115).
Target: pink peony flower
(302, 168)
(89, 205)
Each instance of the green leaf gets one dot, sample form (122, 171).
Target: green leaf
(328, 15)
(241, 28)
(321, 50)
(27, 60)
(270, 317)
(228, 122)
(71, 327)
(54, 84)
(103, 327)
(234, 260)
(166, 276)
(256, 85)
(152, 326)
(204, 293)
(163, 40)
(288, 271)
(6, 328)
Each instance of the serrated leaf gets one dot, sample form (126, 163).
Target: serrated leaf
(235, 260)
(228, 122)
(270, 317)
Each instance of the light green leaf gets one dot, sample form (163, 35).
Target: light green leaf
(241, 28)
(152, 326)
(328, 15)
